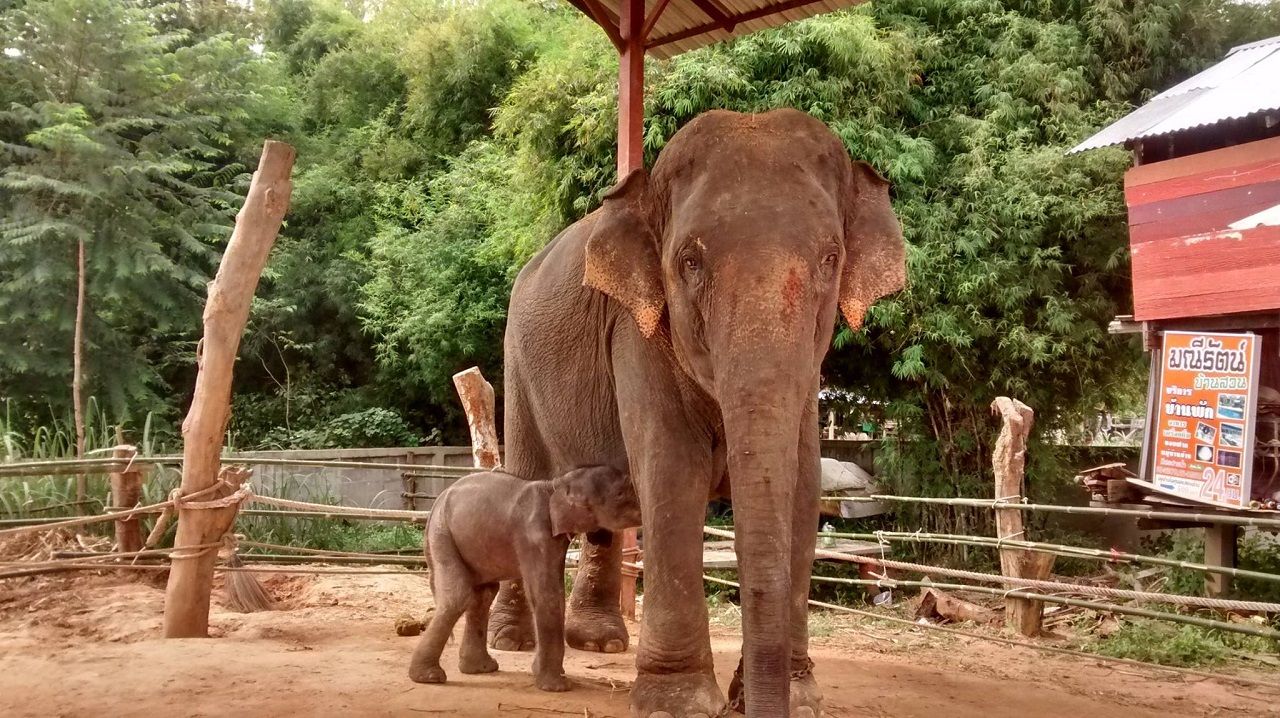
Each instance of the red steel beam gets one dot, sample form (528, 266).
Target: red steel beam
(653, 18)
(735, 19)
(601, 16)
(716, 12)
(631, 87)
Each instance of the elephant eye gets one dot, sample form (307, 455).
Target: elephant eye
(691, 263)
(831, 259)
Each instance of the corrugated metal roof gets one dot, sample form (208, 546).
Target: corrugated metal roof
(1247, 81)
(685, 25)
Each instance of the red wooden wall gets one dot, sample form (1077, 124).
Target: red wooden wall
(1187, 261)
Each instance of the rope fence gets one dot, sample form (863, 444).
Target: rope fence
(1109, 555)
(1243, 680)
(1032, 589)
(1160, 514)
(108, 464)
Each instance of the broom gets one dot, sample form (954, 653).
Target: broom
(244, 593)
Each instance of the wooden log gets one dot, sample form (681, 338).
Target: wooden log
(126, 493)
(937, 606)
(1219, 550)
(186, 611)
(1009, 463)
(478, 403)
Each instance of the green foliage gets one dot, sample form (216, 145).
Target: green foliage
(1257, 551)
(1171, 644)
(442, 144)
(130, 141)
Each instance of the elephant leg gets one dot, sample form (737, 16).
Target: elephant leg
(594, 621)
(452, 598)
(806, 696)
(546, 594)
(510, 622)
(473, 655)
(675, 676)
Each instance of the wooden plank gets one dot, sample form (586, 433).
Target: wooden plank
(1203, 182)
(1210, 222)
(1227, 157)
(1242, 201)
(1205, 274)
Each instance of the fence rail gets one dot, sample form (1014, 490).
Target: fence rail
(1013, 586)
(997, 504)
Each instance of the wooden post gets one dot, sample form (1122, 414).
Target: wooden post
(477, 401)
(1009, 463)
(1219, 550)
(126, 492)
(186, 608)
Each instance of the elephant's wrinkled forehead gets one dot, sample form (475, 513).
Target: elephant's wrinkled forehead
(749, 175)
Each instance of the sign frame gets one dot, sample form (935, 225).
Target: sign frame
(1196, 430)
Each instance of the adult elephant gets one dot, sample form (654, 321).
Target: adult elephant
(679, 330)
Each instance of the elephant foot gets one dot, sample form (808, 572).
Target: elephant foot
(552, 684)
(805, 695)
(477, 663)
(676, 695)
(597, 630)
(510, 621)
(426, 674)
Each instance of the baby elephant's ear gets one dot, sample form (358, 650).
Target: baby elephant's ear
(570, 513)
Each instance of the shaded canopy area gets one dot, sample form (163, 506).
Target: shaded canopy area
(675, 26)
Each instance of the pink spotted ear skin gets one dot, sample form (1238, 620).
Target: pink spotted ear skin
(622, 253)
(875, 254)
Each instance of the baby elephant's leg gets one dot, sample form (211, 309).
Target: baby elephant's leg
(543, 571)
(473, 655)
(451, 588)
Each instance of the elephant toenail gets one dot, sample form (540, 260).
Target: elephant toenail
(590, 646)
(661, 714)
(615, 646)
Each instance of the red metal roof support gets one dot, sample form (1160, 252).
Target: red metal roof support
(631, 87)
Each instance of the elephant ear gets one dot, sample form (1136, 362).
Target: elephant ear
(622, 252)
(570, 512)
(875, 256)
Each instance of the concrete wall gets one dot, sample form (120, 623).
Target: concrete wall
(383, 488)
(370, 488)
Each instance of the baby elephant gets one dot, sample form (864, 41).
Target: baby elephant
(490, 527)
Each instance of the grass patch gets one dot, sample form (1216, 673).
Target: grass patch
(1170, 644)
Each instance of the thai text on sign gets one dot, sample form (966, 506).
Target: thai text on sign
(1204, 431)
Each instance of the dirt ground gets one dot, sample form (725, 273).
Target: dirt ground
(90, 646)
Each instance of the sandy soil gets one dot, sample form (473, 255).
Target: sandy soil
(89, 646)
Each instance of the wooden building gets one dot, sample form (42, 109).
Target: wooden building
(1203, 199)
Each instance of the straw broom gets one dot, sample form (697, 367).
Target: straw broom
(244, 593)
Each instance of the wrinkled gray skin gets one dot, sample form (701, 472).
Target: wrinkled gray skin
(680, 329)
(492, 526)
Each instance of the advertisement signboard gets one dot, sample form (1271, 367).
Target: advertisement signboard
(1204, 433)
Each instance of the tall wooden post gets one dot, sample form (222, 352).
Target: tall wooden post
(1009, 463)
(186, 607)
(478, 403)
(126, 491)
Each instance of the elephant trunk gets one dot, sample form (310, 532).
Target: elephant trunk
(761, 421)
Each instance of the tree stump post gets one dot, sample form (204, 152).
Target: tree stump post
(478, 403)
(126, 493)
(1009, 463)
(186, 608)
